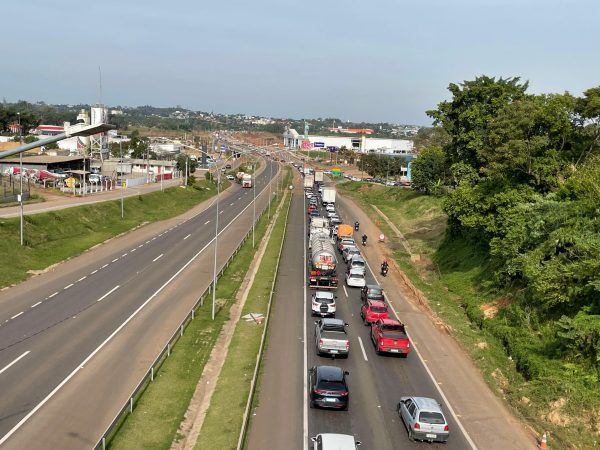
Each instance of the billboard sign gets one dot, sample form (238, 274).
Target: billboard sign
(319, 144)
(332, 148)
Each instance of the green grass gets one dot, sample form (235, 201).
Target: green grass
(314, 154)
(54, 236)
(455, 276)
(223, 421)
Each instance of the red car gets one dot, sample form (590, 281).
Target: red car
(389, 336)
(373, 310)
(310, 209)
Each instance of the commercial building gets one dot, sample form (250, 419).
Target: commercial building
(44, 162)
(361, 144)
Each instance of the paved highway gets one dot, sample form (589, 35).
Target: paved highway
(75, 341)
(283, 418)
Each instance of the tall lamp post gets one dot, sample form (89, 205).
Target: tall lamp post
(21, 176)
(121, 180)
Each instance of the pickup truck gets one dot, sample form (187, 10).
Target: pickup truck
(389, 336)
(331, 337)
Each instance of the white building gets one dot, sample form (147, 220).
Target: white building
(362, 144)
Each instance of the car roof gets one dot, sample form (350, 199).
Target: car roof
(357, 258)
(324, 294)
(390, 322)
(427, 404)
(376, 303)
(335, 441)
(332, 321)
(374, 286)
(331, 373)
(356, 271)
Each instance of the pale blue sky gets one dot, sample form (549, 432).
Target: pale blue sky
(372, 60)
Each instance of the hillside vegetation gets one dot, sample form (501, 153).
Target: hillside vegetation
(516, 270)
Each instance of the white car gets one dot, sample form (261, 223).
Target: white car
(334, 441)
(357, 263)
(323, 304)
(331, 214)
(356, 278)
(230, 177)
(330, 207)
(309, 194)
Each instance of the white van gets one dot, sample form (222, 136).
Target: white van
(334, 441)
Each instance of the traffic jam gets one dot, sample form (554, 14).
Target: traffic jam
(335, 263)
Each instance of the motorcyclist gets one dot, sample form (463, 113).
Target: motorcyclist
(356, 226)
(364, 239)
(384, 266)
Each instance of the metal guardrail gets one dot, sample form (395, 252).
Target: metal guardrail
(148, 377)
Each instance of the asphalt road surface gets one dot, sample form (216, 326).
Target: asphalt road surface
(75, 341)
(283, 418)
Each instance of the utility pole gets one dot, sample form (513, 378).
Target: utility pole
(121, 179)
(21, 175)
(186, 172)
(254, 201)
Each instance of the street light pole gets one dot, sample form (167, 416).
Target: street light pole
(21, 176)
(254, 201)
(270, 179)
(121, 180)
(214, 287)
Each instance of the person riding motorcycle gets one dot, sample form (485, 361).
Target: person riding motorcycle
(384, 267)
(364, 239)
(356, 226)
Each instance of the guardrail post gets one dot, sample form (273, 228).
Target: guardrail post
(131, 404)
(168, 349)
(181, 330)
(151, 373)
(103, 443)
(193, 314)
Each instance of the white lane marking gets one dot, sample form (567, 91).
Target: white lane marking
(207, 222)
(435, 383)
(231, 204)
(140, 246)
(50, 296)
(157, 258)
(93, 272)
(363, 349)
(221, 212)
(108, 293)
(14, 429)
(105, 265)
(345, 291)
(16, 315)
(147, 242)
(161, 234)
(305, 356)
(34, 305)
(132, 250)
(115, 260)
(14, 362)
(153, 238)
(123, 255)
(82, 278)
(68, 286)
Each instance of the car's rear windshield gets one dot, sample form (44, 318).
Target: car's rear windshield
(358, 263)
(393, 334)
(331, 385)
(431, 417)
(324, 300)
(378, 309)
(392, 328)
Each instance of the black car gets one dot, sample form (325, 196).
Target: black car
(328, 387)
(372, 292)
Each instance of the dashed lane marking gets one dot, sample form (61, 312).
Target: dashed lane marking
(186, 237)
(115, 260)
(67, 286)
(50, 296)
(157, 258)
(16, 315)
(82, 278)
(362, 349)
(108, 293)
(14, 361)
(35, 304)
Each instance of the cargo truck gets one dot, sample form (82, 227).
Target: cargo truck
(318, 176)
(247, 181)
(309, 181)
(328, 195)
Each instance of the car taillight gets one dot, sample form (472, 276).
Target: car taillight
(319, 391)
(347, 345)
(417, 426)
(446, 428)
(320, 342)
(343, 393)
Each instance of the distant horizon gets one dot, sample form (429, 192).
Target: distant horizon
(386, 61)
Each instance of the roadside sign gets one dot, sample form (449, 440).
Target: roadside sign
(319, 144)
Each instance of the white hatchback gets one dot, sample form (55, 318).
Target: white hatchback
(356, 278)
(323, 303)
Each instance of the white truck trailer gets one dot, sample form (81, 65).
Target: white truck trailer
(328, 195)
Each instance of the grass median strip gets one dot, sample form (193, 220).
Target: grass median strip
(160, 410)
(55, 236)
(221, 427)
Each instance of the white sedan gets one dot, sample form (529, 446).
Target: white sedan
(356, 278)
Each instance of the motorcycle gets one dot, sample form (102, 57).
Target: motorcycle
(356, 226)
(364, 240)
(384, 270)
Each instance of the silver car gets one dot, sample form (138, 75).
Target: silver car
(423, 419)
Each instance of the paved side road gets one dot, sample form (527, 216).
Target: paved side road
(485, 417)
